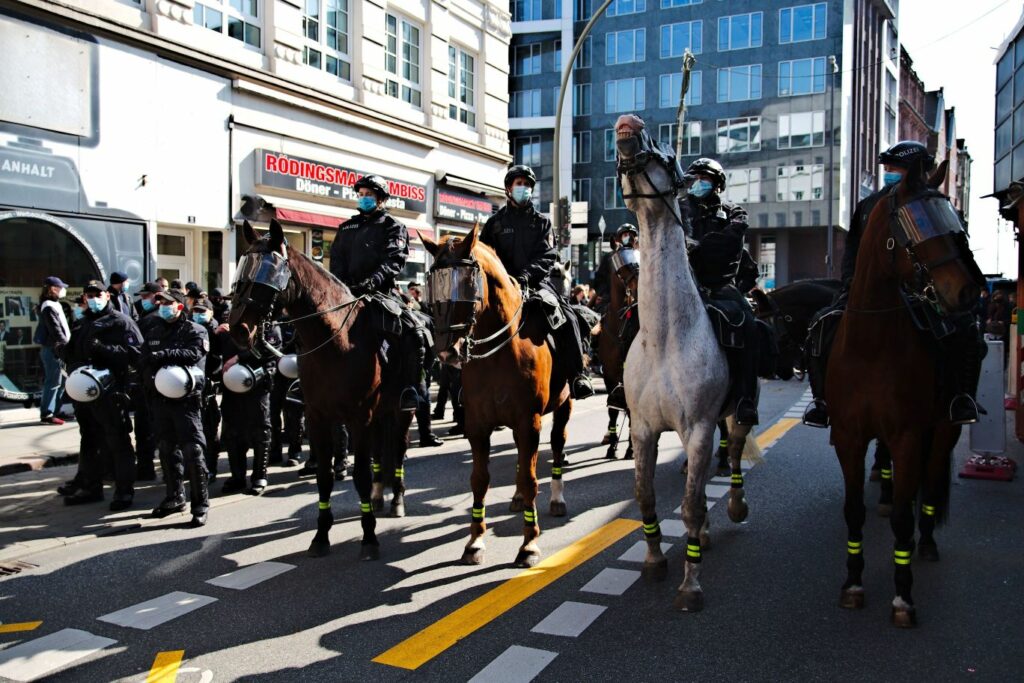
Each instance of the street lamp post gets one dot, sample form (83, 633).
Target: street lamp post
(831, 159)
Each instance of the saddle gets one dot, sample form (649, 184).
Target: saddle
(548, 303)
(388, 314)
(727, 319)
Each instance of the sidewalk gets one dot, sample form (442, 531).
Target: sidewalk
(27, 445)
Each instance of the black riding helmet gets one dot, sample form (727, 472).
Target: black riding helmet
(624, 228)
(711, 168)
(376, 184)
(520, 171)
(905, 154)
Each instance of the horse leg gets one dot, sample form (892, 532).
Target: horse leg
(362, 478)
(528, 441)
(851, 451)
(377, 480)
(909, 452)
(479, 481)
(611, 437)
(876, 467)
(517, 498)
(699, 445)
(737, 438)
(935, 490)
(398, 441)
(655, 566)
(629, 440)
(883, 458)
(320, 443)
(723, 449)
(560, 419)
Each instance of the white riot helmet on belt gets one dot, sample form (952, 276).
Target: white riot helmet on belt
(175, 381)
(288, 366)
(88, 383)
(241, 379)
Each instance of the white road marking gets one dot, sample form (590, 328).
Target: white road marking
(569, 619)
(152, 613)
(715, 491)
(679, 510)
(517, 664)
(638, 552)
(673, 528)
(611, 581)
(43, 656)
(247, 577)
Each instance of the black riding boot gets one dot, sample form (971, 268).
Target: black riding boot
(820, 336)
(965, 353)
(411, 358)
(744, 369)
(816, 414)
(571, 350)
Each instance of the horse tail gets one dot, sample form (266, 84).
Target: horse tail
(751, 449)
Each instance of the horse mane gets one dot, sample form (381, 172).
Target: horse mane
(331, 294)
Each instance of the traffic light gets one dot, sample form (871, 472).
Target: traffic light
(564, 221)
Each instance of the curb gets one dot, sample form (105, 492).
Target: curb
(37, 463)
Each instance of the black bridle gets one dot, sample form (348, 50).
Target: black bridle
(635, 153)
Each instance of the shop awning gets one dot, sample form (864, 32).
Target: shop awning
(307, 217)
(471, 185)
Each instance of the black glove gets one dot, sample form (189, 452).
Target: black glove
(155, 359)
(364, 287)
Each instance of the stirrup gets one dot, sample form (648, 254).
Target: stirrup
(746, 413)
(408, 400)
(963, 410)
(617, 398)
(580, 387)
(816, 414)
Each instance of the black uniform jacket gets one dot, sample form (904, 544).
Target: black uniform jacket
(122, 303)
(857, 225)
(176, 342)
(719, 228)
(108, 340)
(522, 239)
(370, 246)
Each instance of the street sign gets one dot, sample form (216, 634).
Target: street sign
(579, 236)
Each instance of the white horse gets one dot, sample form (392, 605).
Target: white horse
(676, 375)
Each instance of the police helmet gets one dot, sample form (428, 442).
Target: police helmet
(288, 366)
(905, 154)
(87, 383)
(627, 227)
(240, 379)
(710, 168)
(519, 171)
(378, 185)
(174, 381)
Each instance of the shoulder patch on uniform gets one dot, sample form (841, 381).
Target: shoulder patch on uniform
(206, 344)
(130, 337)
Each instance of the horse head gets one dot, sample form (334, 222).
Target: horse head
(938, 262)
(454, 292)
(648, 170)
(790, 351)
(263, 284)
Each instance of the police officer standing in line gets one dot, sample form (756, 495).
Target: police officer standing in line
(88, 432)
(291, 428)
(145, 304)
(177, 341)
(108, 340)
(221, 304)
(523, 241)
(369, 252)
(202, 315)
(145, 443)
(119, 298)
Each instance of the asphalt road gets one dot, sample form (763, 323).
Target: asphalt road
(771, 584)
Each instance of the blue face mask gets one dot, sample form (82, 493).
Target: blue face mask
(699, 189)
(521, 194)
(148, 305)
(366, 204)
(168, 311)
(201, 318)
(96, 304)
(890, 178)
(77, 312)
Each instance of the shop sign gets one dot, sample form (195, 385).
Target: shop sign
(462, 207)
(31, 178)
(330, 181)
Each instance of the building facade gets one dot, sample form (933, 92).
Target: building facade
(776, 86)
(136, 135)
(1009, 123)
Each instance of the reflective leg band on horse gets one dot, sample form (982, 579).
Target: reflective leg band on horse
(737, 480)
(478, 514)
(399, 472)
(364, 507)
(693, 550)
(854, 547)
(901, 557)
(651, 528)
(886, 473)
(928, 510)
(324, 505)
(530, 517)
(723, 443)
(556, 473)
(375, 468)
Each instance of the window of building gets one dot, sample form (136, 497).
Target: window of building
(527, 10)
(740, 31)
(626, 94)
(613, 194)
(803, 22)
(325, 28)
(609, 144)
(581, 190)
(669, 86)
(1005, 68)
(739, 83)
(580, 99)
(558, 56)
(665, 4)
(675, 38)
(526, 61)
(1004, 137)
(1004, 101)
(526, 103)
(739, 135)
(462, 86)
(805, 129)
(581, 147)
(802, 76)
(583, 59)
(625, 47)
(402, 60)
(1018, 86)
(743, 185)
(243, 19)
(582, 10)
(526, 150)
(620, 8)
(691, 136)
(800, 183)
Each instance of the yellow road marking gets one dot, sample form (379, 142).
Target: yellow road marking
(165, 667)
(19, 627)
(420, 648)
(776, 431)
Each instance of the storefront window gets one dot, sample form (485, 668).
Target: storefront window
(213, 260)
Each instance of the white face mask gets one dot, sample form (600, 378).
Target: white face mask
(62, 293)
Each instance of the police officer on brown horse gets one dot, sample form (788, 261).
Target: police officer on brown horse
(368, 254)
(522, 239)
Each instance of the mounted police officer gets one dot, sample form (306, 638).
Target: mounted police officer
(202, 315)
(174, 341)
(962, 351)
(368, 254)
(107, 340)
(523, 241)
(718, 229)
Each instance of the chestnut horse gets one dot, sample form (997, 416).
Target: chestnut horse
(881, 380)
(508, 376)
(340, 369)
(622, 297)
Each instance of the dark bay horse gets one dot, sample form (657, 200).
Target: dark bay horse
(340, 369)
(621, 300)
(508, 376)
(789, 310)
(882, 380)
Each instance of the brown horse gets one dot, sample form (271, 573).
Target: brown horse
(340, 369)
(881, 380)
(621, 300)
(508, 376)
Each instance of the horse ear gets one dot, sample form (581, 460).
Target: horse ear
(277, 241)
(429, 244)
(466, 246)
(939, 175)
(250, 235)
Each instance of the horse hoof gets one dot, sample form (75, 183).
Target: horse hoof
(689, 601)
(738, 510)
(705, 540)
(516, 505)
(885, 509)
(723, 470)
(377, 504)
(558, 509)
(526, 559)
(606, 440)
(904, 617)
(655, 571)
(473, 556)
(397, 508)
(369, 553)
(852, 599)
(610, 453)
(876, 475)
(929, 552)
(319, 549)
(629, 454)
